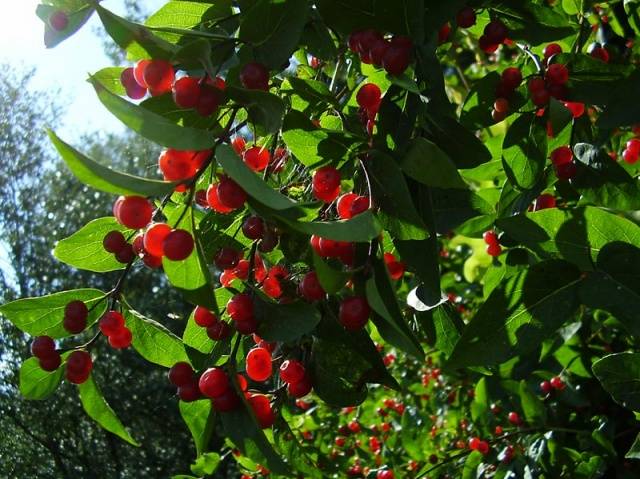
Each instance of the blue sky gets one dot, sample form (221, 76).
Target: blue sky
(64, 67)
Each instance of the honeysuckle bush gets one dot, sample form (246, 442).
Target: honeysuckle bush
(408, 231)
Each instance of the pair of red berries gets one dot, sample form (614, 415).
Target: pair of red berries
(115, 242)
(394, 55)
(225, 196)
(326, 184)
(204, 95)
(494, 34)
(369, 98)
(562, 160)
(555, 382)
(328, 248)
(216, 329)
(476, 444)
(493, 244)
(75, 317)
(241, 310)
(294, 374)
(78, 365)
(181, 165)
(553, 84)
(215, 384)
(160, 240)
(631, 153)
(154, 76)
(112, 325)
(394, 267)
(510, 80)
(351, 204)
(184, 378)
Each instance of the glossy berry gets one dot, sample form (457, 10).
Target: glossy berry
(577, 109)
(240, 307)
(189, 392)
(50, 363)
(226, 402)
(344, 203)
(181, 374)
(561, 155)
(396, 59)
(126, 254)
(214, 382)
(227, 258)
(545, 387)
(203, 317)
(551, 49)
(466, 17)
(490, 237)
(326, 184)
(354, 313)
(75, 317)
(259, 364)
(230, 194)
(121, 339)
(158, 76)
(246, 327)
(540, 98)
(557, 383)
(301, 388)
(59, 20)
(494, 249)
(176, 165)
(111, 323)
(385, 474)
(496, 31)
(209, 100)
(154, 237)
(486, 45)
(359, 205)
(114, 241)
(134, 212)
(310, 287)
(253, 227)
(544, 201)
(134, 90)
(178, 245)
(483, 447)
(271, 287)
(501, 105)
(378, 50)
(257, 158)
(630, 156)
(43, 346)
(213, 200)
(79, 366)
(566, 171)
(238, 144)
(396, 268)
(369, 97)
(511, 78)
(292, 371)
(514, 418)
(254, 76)
(219, 331)
(138, 72)
(557, 74)
(186, 92)
(261, 407)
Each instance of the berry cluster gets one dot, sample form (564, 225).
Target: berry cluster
(112, 325)
(562, 160)
(394, 55)
(494, 34)
(493, 244)
(509, 81)
(182, 165)
(75, 317)
(552, 84)
(294, 374)
(632, 151)
(78, 365)
(369, 98)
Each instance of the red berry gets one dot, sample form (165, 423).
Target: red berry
(242, 382)
(474, 442)
(339, 441)
(240, 307)
(494, 249)
(630, 156)
(396, 59)
(79, 363)
(209, 100)
(219, 331)
(557, 74)
(257, 158)
(214, 382)
(486, 45)
(134, 212)
(213, 200)
(158, 76)
(385, 474)
(536, 84)
(75, 317)
(544, 201)
(126, 254)
(561, 155)
(271, 287)
(566, 171)
(111, 323)
(466, 17)
(241, 271)
(114, 241)
(540, 98)
(490, 237)
(43, 347)
(254, 76)
(262, 409)
(259, 364)
(551, 49)
(227, 401)
(310, 287)
(395, 267)
(444, 33)
(176, 165)
(501, 106)
(511, 78)
(138, 72)
(203, 317)
(496, 31)
(238, 144)
(483, 447)
(189, 392)
(186, 92)
(154, 237)
(378, 50)
(59, 20)
(557, 383)
(227, 258)
(178, 245)
(121, 339)
(301, 388)
(253, 227)
(50, 363)
(576, 109)
(344, 205)
(600, 54)
(359, 205)
(633, 145)
(151, 261)
(545, 387)
(369, 96)
(181, 374)
(354, 312)
(230, 194)
(514, 418)
(249, 326)
(326, 184)
(292, 371)
(133, 89)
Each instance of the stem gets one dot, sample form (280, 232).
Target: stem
(527, 50)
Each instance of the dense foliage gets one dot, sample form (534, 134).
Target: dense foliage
(408, 231)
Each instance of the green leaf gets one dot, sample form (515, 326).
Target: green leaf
(199, 418)
(137, 40)
(480, 404)
(76, 19)
(526, 309)
(264, 109)
(524, 151)
(387, 316)
(471, 465)
(534, 409)
(313, 146)
(619, 375)
(392, 195)
(35, 382)
(623, 109)
(428, 164)
(254, 186)
(286, 322)
(110, 78)
(84, 250)
(447, 327)
(273, 28)
(361, 228)
(97, 408)
(153, 341)
(104, 178)
(331, 280)
(151, 125)
(206, 463)
(196, 336)
(577, 235)
(477, 107)
(634, 450)
(187, 15)
(43, 316)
